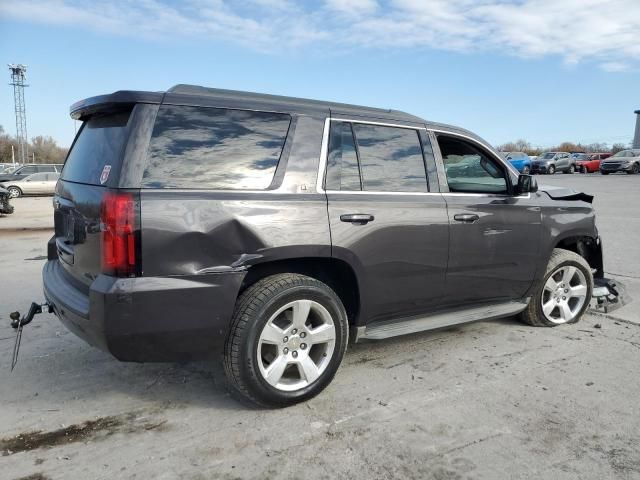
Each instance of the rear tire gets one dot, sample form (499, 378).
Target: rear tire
(563, 294)
(572, 169)
(634, 169)
(288, 336)
(526, 171)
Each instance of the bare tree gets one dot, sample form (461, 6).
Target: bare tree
(44, 148)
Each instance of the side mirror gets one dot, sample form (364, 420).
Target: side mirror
(526, 184)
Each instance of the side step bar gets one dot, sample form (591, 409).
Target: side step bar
(407, 325)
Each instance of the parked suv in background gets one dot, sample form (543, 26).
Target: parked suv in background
(552, 162)
(624, 161)
(519, 160)
(25, 170)
(591, 163)
(270, 230)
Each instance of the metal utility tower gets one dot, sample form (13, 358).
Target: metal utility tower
(17, 80)
(636, 137)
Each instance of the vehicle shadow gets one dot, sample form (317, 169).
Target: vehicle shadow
(63, 366)
(53, 362)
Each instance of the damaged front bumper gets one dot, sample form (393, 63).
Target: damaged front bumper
(608, 295)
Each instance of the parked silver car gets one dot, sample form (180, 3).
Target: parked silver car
(35, 184)
(624, 161)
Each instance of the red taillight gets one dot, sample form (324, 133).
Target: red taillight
(118, 218)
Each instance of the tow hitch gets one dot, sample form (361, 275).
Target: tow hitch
(608, 295)
(18, 323)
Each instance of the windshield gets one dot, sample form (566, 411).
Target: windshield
(579, 156)
(547, 155)
(625, 153)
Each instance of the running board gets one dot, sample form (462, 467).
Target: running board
(407, 325)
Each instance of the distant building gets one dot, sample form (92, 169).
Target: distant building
(636, 137)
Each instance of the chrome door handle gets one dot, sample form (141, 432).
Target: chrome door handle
(357, 218)
(466, 217)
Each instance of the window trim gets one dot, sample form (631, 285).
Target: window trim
(324, 152)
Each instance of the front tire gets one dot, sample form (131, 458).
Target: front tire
(551, 170)
(634, 169)
(14, 192)
(564, 293)
(288, 336)
(526, 171)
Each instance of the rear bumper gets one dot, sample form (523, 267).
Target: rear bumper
(146, 319)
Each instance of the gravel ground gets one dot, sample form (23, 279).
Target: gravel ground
(486, 400)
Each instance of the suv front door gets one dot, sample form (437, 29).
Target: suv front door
(494, 234)
(384, 220)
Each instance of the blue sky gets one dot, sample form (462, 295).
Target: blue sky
(542, 70)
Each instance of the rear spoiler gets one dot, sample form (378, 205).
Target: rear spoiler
(114, 101)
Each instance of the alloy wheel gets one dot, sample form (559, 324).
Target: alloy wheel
(13, 192)
(296, 345)
(564, 294)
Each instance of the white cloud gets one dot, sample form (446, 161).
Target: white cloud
(606, 32)
(353, 7)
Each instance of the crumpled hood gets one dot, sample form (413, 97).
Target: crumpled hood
(565, 193)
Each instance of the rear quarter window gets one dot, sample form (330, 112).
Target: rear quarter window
(214, 148)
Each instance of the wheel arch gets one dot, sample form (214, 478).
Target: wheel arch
(336, 273)
(587, 246)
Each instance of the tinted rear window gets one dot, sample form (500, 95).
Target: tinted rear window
(100, 143)
(390, 159)
(384, 159)
(214, 148)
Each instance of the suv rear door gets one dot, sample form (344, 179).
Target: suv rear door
(383, 218)
(563, 161)
(494, 235)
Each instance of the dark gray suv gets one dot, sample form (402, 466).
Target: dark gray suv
(270, 229)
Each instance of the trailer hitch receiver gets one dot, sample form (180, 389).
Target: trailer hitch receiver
(18, 322)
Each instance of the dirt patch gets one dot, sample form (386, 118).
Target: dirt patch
(34, 476)
(89, 430)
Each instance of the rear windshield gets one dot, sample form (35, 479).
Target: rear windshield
(98, 148)
(214, 148)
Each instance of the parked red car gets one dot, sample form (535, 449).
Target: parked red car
(591, 163)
